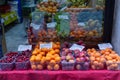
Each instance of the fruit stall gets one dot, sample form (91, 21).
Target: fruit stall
(65, 43)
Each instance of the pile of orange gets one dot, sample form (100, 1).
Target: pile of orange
(46, 57)
(97, 61)
(112, 59)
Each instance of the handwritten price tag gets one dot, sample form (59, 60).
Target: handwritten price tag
(46, 45)
(104, 46)
(81, 24)
(51, 25)
(35, 26)
(24, 47)
(63, 17)
(75, 46)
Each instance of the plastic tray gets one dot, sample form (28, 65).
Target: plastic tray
(82, 66)
(113, 66)
(68, 66)
(22, 65)
(6, 66)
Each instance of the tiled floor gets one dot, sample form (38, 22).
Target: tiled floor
(15, 36)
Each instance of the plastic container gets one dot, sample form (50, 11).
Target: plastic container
(82, 65)
(98, 66)
(68, 65)
(22, 65)
(6, 66)
(113, 66)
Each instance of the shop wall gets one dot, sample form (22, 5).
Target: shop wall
(116, 27)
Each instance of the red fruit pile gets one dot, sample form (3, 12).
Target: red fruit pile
(7, 60)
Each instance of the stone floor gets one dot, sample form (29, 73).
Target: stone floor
(15, 37)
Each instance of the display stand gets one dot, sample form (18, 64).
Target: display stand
(3, 48)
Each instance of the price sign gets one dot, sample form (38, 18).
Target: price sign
(35, 26)
(81, 24)
(104, 46)
(75, 46)
(46, 45)
(63, 17)
(24, 47)
(51, 25)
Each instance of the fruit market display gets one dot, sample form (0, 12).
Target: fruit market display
(48, 6)
(46, 58)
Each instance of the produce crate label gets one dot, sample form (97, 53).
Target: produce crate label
(75, 46)
(24, 47)
(63, 17)
(51, 25)
(63, 8)
(35, 26)
(104, 46)
(46, 45)
(81, 24)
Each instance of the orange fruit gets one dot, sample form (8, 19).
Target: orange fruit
(58, 43)
(55, 46)
(57, 59)
(40, 67)
(56, 55)
(37, 58)
(56, 67)
(52, 62)
(49, 67)
(35, 52)
(57, 51)
(58, 46)
(52, 52)
(42, 53)
(92, 58)
(33, 67)
(48, 58)
(32, 59)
